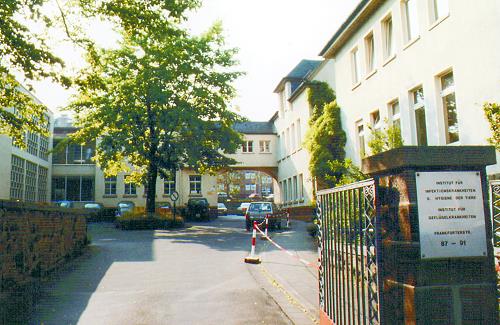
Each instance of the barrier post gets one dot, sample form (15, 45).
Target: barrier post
(252, 258)
(288, 219)
(266, 221)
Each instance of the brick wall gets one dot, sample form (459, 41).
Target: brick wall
(35, 240)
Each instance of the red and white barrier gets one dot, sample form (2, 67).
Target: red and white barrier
(313, 265)
(266, 222)
(288, 219)
(252, 258)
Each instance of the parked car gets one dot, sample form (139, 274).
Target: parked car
(257, 211)
(95, 210)
(123, 207)
(221, 209)
(64, 204)
(164, 208)
(243, 207)
(197, 208)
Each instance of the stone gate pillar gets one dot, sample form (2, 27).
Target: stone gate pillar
(434, 254)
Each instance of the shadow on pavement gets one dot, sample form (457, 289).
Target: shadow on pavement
(64, 295)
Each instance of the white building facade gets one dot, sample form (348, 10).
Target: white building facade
(427, 66)
(25, 173)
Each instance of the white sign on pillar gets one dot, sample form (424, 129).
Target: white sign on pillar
(450, 214)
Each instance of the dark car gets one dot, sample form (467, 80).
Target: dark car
(198, 208)
(64, 204)
(257, 211)
(95, 210)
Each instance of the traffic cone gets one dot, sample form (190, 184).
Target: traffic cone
(252, 258)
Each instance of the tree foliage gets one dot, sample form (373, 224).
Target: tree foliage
(492, 112)
(385, 139)
(318, 95)
(159, 102)
(325, 142)
(25, 52)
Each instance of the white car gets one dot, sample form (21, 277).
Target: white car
(221, 209)
(243, 207)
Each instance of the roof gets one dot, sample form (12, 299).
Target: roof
(298, 74)
(362, 11)
(254, 127)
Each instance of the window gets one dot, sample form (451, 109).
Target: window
(265, 146)
(250, 175)
(361, 138)
(110, 185)
(299, 135)
(449, 107)
(290, 192)
(195, 184)
(130, 188)
(388, 37)
(250, 187)
(285, 191)
(32, 145)
(73, 153)
(247, 146)
(411, 19)
(73, 188)
(169, 185)
(30, 187)
(42, 183)
(356, 77)
(44, 148)
(301, 186)
(375, 119)
(17, 178)
(395, 114)
(370, 53)
(288, 148)
(295, 188)
(440, 9)
(283, 148)
(417, 100)
(292, 136)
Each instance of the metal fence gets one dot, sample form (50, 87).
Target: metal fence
(495, 215)
(349, 289)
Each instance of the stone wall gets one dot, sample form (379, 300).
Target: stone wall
(35, 240)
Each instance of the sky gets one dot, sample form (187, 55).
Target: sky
(272, 37)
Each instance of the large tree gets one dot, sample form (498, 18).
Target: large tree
(159, 102)
(25, 53)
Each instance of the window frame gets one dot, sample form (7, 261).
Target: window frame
(110, 185)
(129, 188)
(435, 15)
(265, 146)
(195, 181)
(416, 107)
(369, 53)
(389, 48)
(444, 93)
(247, 146)
(355, 67)
(360, 137)
(411, 31)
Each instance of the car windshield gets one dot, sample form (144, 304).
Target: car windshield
(92, 206)
(260, 207)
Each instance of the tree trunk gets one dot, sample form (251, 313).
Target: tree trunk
(151, 193)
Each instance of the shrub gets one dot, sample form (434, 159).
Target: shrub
(141, 221)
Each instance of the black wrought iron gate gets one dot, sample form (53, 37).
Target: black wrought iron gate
(349, 289)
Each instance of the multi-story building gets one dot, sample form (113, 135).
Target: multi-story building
(75, 177)
(25, 173)
(292, 124)
(425, 66)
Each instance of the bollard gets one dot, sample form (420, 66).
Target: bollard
(264, 237)
(252, 258)
(288, 219)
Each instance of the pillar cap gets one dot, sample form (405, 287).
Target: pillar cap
(429, 156)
